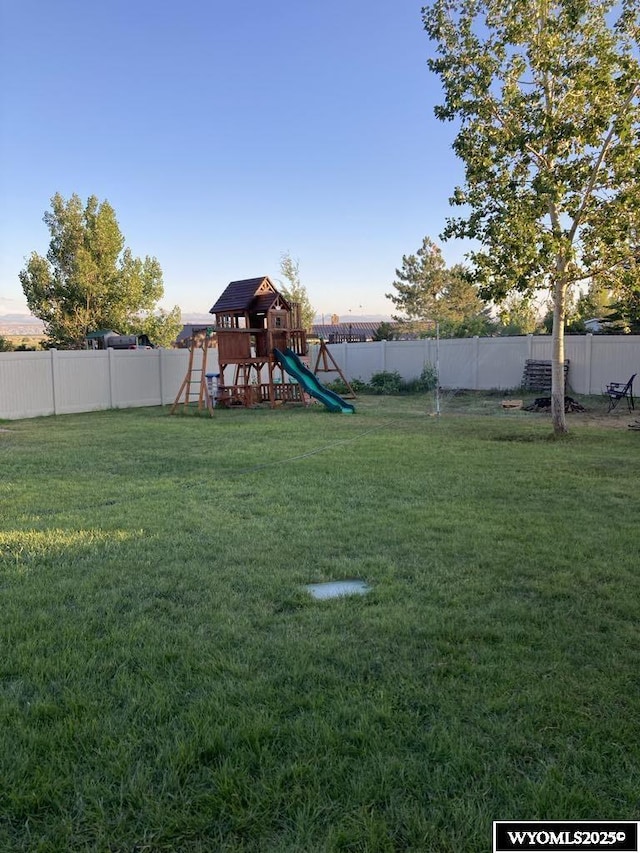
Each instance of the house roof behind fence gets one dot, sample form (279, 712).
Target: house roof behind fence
(328, 331)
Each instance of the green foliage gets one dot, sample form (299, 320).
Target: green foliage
(624, 316)
(358, 386)
(518, 315)
(160, 326)
(386, 382)
(547, 99)
(294, 290)
(428, 378)
(596, 302)
(90, 281)
(624, 298)
(429, 295)
(5, 345)
(427, 381)
(384, 332)
(419, 285)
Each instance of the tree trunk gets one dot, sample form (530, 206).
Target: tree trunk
(558, 416)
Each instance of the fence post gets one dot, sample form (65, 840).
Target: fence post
(160, 351)
(383, 356)
(588, 354)
(476, 368)
(54, 374)
(112, 379)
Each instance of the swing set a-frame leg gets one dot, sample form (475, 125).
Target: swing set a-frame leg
(325, 356)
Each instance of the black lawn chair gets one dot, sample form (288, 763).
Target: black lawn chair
(617, 391)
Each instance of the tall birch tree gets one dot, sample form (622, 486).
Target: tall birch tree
(546, 98)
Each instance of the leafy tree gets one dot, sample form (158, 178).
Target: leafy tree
(518, 315)
(90, 281)
(467, 313)
(624, 316)
(419, 285)
(624, 295)
(294, 290)
(428, 293)
(546, 94)
(384, 332)
(596, 302)
(5, 345)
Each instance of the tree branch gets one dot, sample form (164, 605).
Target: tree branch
(599, 161)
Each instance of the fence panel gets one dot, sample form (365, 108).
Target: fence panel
(500, 362)
(487, 363)
(359, 364)
(406, 357)
(26, 385)
(81, 381)
(457, 362)
(135, 378)
(65, 382)
(45, 383)
(614, 362)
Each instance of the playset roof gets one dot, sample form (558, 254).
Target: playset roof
(251, 295)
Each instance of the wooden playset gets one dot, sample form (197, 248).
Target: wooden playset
(252, 319)
(262, 350)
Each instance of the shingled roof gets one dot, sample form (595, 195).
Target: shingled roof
(249, 294)
(340, 332)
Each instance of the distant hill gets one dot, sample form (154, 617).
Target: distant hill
(318, 319)
(353, 318)
(24, 319)
(20, 324)
(27, 323)
(193, 319)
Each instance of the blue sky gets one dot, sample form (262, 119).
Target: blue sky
(225, 134)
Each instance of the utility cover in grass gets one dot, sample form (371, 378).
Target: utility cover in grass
(336, 589)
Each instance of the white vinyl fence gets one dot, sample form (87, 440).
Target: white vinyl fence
(492, 363)
(63, 382)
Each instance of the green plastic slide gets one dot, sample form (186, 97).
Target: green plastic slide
(310, 382)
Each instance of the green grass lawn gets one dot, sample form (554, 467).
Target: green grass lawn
(167, 684)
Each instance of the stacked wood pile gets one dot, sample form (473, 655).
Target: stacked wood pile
(543, 404)
(537, 374)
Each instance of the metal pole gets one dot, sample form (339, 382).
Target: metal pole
(437, 369)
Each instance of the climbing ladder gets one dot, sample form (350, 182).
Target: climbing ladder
(194, 385)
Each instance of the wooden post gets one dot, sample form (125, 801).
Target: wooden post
(323, 355)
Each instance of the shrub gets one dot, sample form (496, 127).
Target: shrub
(386, 382)
(428, 378)
(357, 385)
(389, 382)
